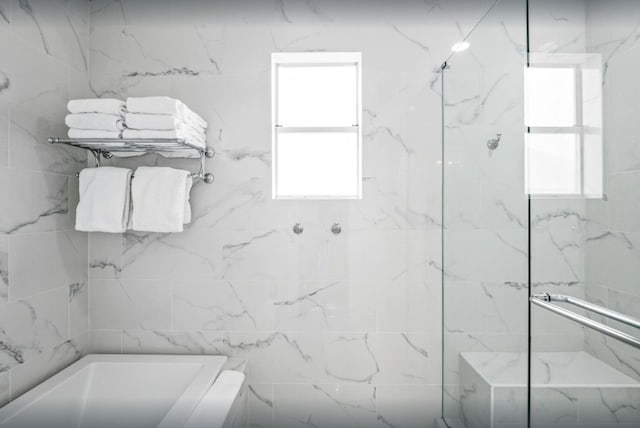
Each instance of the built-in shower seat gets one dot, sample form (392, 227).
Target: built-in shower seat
(568, 389)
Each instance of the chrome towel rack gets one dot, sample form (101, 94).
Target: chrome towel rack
(545, 300)
(104, 148)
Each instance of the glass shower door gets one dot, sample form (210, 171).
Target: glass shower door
(485, 257)
(585, 222)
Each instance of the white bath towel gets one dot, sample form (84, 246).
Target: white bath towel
(96, 121)
(191, 137)
(104, 200)
(158, 122)
(164, 105)
(187, 202)
(160, 196)
(97, 105)
(94, 133)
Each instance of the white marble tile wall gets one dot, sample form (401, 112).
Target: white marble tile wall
(338, 330)
(43, 261)
(613, 242)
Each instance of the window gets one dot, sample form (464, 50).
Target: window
(316, 125)
(563, 115)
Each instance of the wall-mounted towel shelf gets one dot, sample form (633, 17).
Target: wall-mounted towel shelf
(104, 148)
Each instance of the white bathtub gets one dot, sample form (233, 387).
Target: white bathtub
(127, 391)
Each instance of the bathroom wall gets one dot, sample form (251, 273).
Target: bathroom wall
(613, 244)
(43, 261)
(338, 329)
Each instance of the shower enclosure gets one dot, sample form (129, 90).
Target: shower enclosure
(541, 217)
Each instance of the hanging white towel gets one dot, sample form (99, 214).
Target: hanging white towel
(159, 196)
(95, 121)
(104, 200)
(158, 122)
(94, 133)
(164, 105)
(97, 105)
(187, 202)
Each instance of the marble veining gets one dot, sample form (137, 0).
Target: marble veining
(31, 327)
(172, 342)
(351, 373)
(26, 7)
(268, 341)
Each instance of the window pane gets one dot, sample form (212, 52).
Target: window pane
(319, 164)
(317, 95)
(551, 97)
(553, 164)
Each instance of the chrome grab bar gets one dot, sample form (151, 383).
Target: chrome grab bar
(625, 319)
(544, 301)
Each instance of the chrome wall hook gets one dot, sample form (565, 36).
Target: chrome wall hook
(336, 228)
(298, 229)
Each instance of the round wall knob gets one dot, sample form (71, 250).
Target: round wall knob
(298, 229)
(336, 229)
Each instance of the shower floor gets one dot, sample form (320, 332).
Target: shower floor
(569, 389)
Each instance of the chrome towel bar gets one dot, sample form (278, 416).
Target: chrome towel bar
(544, 301)
(104, 148)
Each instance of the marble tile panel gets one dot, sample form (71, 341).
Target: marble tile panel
(172, 342)
(44, 261)
(130, 304)
(324, 405)
(33, 326)
(261, 405)
(222, 305)
(46, 208)
(408, 406)
(278, 357)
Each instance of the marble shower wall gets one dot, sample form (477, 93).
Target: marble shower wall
(43, 261)
(613, 243)
(339, 330)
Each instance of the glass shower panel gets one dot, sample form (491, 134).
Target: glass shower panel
(485, 258)
(585, 245)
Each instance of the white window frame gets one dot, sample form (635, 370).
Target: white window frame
(575, 62)
(294, 59)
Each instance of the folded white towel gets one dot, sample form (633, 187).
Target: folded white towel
(96, 121)
(158, 122)
(164, 105)
(93, 133)
(160, 197)
(104, 200)
(97, 105)
(191, 137)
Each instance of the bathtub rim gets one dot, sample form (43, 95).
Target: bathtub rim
(177, 414)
